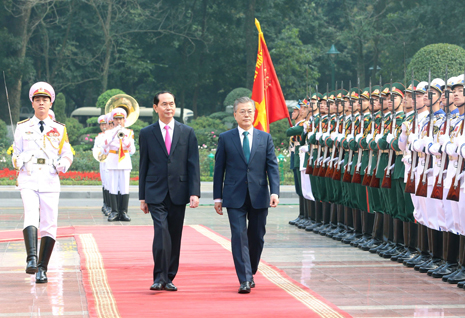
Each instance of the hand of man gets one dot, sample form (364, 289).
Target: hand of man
(274, 201)
(144, 207)
(219, 208)
(194, 201)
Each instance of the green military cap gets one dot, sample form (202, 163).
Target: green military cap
(376, 91)
(317, 96)
(354, 93)
(386, 89)
(341, 94)
(325, 96)
(398, 89)
(365, 93)
(331, 96)
(411, 87)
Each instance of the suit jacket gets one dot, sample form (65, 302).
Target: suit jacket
(237, 176)
(178, 172)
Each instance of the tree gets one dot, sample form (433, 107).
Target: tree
(103, 98)
(436, 57)
(59, 108)
(235, 94)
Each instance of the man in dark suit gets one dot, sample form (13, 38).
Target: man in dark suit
(244, 159)
(169, 178)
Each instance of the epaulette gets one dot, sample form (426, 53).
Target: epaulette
(59, 123)
(23, 121)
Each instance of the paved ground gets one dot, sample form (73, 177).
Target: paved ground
(358, 282)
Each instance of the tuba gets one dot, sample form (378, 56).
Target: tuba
(131, 107)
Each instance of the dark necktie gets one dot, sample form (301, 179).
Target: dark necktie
(246, 146)
(41, 126)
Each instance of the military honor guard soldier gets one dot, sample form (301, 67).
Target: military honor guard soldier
(119, 146)
(41, 152)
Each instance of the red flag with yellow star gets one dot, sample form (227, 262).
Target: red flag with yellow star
(267, 94)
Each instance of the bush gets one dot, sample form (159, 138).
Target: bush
(436, 57)
(207, 131)
(235, 94)
(74, 128)
(278, 133)
(4, 140)
(59, 107)
(219, 115)
(103, 99)
(230, 122)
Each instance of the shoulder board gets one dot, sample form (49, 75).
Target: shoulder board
(102, 133)
(58, 123)
(23, 121)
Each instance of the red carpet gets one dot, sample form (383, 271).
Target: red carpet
(117, 265)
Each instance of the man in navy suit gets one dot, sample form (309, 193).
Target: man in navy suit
(169, 178)
(244, 159)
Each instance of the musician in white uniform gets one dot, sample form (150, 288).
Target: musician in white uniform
(119, 145)
(41, 152)
(98, 145)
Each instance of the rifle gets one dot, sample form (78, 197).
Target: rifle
(454, 191)
(410, 186)
(387, 172)
(337, 172)
(374, 183)
(309, 169)
(422, 189)
(357, 178)
(320, 170)
(330, 169)
(366, 177)
(347, 177)
(438, 189)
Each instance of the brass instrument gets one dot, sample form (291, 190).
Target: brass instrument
(131, 106)
(128, 103)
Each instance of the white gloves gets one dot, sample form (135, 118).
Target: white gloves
(389, 138)
(444, 139)
(325, 135)
(23, 158)
(350, 137)
(334, 135)
(451, 149)
(62, 165)
(434, 149)
(303, 149)
(405, 127)
(369, 138)
(412, 138)
(318, 135)
(358, 137)
(378, 137)
(340, 137)
(306, 126)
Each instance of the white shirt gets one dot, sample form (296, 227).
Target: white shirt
(249, 136)
(163, 130)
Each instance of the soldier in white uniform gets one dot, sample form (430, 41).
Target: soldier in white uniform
(98, 145)
(119, 145)
(41, 151)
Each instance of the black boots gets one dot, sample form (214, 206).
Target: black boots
(123, 208)
(114, 215)
(450, 249)
(46, 249)
(376, 235)
(318, 217)
(301, 212)
(119, 208)
(398, 240)
(30, 240)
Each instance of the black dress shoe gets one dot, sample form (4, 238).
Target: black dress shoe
(244, 288)
(252, 284)
(170, 287)
(124, 217)
(157, 286)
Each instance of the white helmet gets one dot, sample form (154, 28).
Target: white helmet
(42, 89)
(437, 84)
(421, 87)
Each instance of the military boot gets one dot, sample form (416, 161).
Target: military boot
(377, 233)
(114, 215)
(30, 240)
(46, 248)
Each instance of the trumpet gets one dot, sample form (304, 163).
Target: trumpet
(120, 134)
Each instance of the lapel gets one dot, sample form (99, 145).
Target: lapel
(176, 135)
(237, 142)
(157, 132)
(255, 142)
